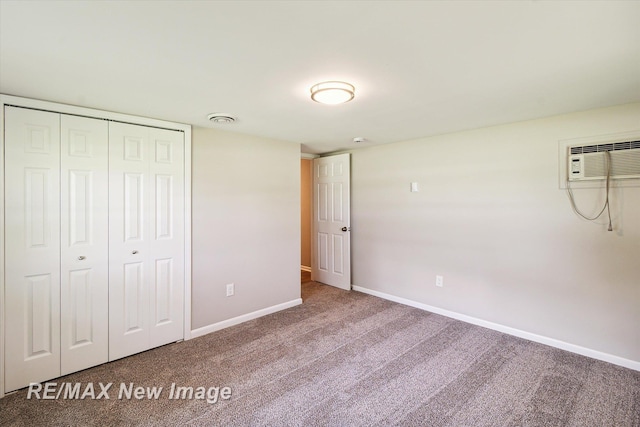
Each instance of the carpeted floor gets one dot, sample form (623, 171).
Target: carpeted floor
(350, 359)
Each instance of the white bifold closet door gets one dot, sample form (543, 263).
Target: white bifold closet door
(146, 244)
(84, 243)
(32, 256)
(56, 285)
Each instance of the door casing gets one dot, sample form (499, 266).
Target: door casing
(331, 263)
(106, 115)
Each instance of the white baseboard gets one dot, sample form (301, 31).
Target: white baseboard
(244, 318)
(595, 354)
(305, 268)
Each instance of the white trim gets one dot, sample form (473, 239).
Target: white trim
(305, 268)
(308, 156)
(2, 248)
(187, 235)
(107, 115)
(90, 112)
(244, 318)
(584, 351)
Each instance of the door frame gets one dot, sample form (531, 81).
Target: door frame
(314, 241)
(111, 116)
(310, 157)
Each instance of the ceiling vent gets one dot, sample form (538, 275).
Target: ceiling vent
(589, 162)
(221, 118)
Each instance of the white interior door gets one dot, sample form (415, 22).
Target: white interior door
(62, 204)
(146, 245)
(128, 240)
(167, 236)
(332, 234)
(84, 242)
(32, 256)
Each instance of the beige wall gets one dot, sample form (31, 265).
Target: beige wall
(491, 219)
(306, 189)
(246, 224)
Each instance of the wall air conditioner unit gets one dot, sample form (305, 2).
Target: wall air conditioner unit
(589, 162)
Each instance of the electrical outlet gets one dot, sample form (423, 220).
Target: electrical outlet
(230, 289)
(439, 281)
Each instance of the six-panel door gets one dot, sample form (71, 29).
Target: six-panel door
(84, 327)
(32, 256)
(332, 249)
(94, 254)
(146, 249)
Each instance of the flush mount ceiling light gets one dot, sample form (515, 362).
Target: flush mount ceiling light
(223, 118)
(332, 93)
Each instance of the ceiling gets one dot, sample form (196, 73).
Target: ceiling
(419, 68)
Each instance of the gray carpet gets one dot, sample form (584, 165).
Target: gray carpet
(349, 359)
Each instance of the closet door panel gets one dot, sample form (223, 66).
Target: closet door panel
(167, 240)
(84, 243)
(32, 258)
(129, 235)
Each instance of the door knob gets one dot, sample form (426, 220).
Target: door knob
(81, 257)
(344, 228)
(134, 252)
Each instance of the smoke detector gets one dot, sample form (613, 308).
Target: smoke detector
(222, 118)
(359, 139)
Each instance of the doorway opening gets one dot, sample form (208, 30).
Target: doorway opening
(306, 216)
(326, 219)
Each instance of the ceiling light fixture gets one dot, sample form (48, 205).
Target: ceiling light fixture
(222, 118)
(332, 93)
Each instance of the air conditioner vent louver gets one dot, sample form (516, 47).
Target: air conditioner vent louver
(589, 162)
(627, 145)
(622, 145)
